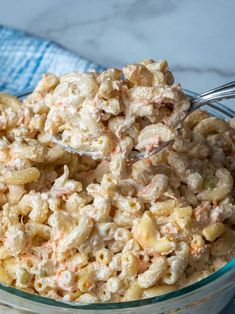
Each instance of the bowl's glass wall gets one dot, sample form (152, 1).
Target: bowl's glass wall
(210, 295)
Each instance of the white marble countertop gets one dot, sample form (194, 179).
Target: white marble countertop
(196, 37)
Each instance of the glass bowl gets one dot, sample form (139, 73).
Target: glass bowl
(209, 295)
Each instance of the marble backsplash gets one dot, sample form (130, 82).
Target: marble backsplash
(196, 37)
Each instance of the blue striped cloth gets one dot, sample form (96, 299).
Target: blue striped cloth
(24, 58)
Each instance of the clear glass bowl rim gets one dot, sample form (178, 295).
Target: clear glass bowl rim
(214, 109)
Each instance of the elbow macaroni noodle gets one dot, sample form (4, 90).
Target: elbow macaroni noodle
(106, 229)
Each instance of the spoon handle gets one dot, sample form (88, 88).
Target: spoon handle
(226, 91)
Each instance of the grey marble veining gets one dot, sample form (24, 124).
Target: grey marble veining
(196, 37)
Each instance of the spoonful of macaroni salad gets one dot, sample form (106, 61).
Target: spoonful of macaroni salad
(97, 111)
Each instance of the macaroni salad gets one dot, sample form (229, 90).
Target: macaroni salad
(104, 229)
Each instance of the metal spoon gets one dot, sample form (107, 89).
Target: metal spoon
(223, 92)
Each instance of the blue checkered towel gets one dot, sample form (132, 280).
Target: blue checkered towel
(24, 58)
